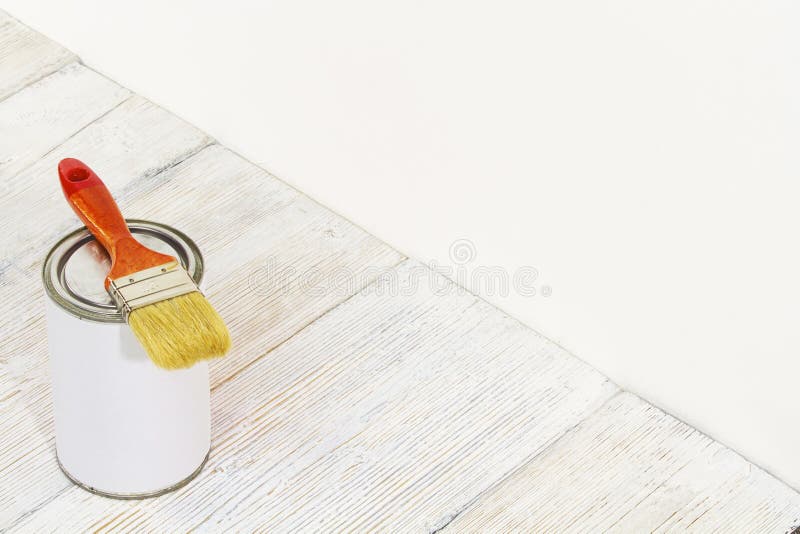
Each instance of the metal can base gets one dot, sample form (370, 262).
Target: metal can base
(133, 496)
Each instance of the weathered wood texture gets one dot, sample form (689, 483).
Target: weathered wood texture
(632, 468)
(45, 113)
(128, 146)
(26, 56)
(393, 411)
(363, 391)
(160, 168)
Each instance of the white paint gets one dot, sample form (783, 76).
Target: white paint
(122, 425)
(26, 56)
(136, 147)
(641, 155)
(403, 405)
(632, 468)
(353, 424)
(392, 412)
(42, 115)
(129, 143)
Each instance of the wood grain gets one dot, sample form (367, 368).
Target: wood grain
(411, 406)
(130, 145)
(275, 259)
(632, 468)
(391, 412)
(44, 114)
(253, 224)
(26, 56)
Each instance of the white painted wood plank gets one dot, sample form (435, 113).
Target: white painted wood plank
(40, 117)
(26, 56)
(275, 259)
(633, 468)
(253, 221)
(131, 144)
(391, 412)
(118, 147)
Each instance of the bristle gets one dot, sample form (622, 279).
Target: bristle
(178, 332)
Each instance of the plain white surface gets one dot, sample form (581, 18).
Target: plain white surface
(640, 155)
(123, 425)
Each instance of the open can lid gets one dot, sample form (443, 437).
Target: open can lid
(75, 269)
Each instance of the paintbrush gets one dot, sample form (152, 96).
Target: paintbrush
(160, 301)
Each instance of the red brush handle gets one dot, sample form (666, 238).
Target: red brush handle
(94, 205)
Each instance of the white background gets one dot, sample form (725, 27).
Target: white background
(643, 156)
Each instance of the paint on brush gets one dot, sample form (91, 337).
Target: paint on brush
(124, 427)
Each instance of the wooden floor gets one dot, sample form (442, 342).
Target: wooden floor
(364, 391)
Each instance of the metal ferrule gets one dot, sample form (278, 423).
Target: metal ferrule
(149, 286)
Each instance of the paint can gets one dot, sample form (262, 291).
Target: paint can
(124, 427)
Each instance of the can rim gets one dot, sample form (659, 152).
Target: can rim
(59, 292)
(130, 496)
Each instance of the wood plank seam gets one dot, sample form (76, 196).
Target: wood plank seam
(143, 136)
(507, 474)
(240, 370)
(41, 505)
(333, 211)
(37, 119)
(477, 497)
(77, 132)
(166, 168)
(71, 56)
(476, 302)
(520, 322)
(187, 157)
(359, 377)
(521, 465)
(38, 79)
(687, 470)
(709, 437)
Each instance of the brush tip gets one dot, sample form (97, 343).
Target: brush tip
(180, 331)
